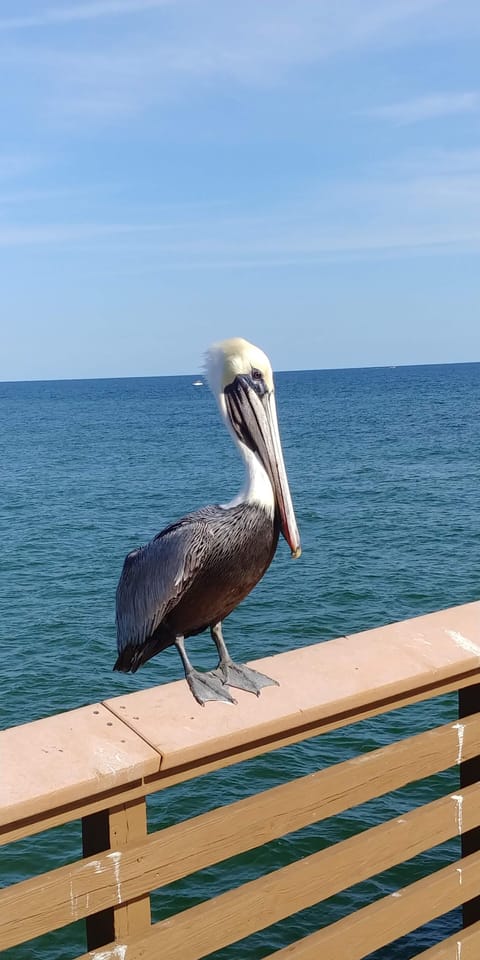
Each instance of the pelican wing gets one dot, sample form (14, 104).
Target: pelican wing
(154, 576)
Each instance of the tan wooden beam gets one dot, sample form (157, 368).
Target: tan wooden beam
(35, 906)
(463, 945)
(388, 919)
(232, 916)
(116, 828)
(128, 827)
(62, 767)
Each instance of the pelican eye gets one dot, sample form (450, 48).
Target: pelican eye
(257, 382)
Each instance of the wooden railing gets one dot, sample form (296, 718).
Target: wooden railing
(100, 762)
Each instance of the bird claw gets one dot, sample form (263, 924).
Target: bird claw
(242, 677)
(207, 686)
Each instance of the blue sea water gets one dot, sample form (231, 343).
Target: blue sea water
(384, 471)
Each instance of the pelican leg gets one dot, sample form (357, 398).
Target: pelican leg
(237, 674)
(204, 686)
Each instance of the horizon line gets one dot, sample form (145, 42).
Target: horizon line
(200, 373)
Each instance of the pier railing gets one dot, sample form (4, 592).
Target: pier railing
(100, 762)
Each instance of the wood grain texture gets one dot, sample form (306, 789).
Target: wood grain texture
(69, 766)
(463, 945)
(389, 918)
(99, 802)
(144, 863)
(232, 916)
(128, 827)
(102, 761)
(15, 829)
(333, 682)
(110, 830)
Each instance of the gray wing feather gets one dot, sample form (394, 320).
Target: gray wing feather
(154, 576)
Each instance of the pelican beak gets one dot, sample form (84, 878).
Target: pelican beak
(253, 415)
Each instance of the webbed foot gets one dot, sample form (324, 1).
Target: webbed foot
(242, 677)
(206, 686)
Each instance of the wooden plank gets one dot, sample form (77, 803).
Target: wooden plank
(61, 764)
(68, 757)
(101, 801)
(116, 828)
(468, 701)
(289, 736)
(345, 677)
(128, 826)
(91, 885)
(56, 816)
(95, 838)
(463, 945)
(386, 920)
(234, 915)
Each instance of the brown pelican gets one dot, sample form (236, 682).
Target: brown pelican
(196, 571)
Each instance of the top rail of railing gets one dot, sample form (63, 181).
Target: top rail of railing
(78, 763)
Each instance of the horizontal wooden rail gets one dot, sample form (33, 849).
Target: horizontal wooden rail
(230, 917)
(101, 761)
(69, 893)
(463, 945)
(75, 891)
(389, 918)
(78, 763)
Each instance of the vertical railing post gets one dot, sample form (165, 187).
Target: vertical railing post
(95, 838)
(128, 825)
(115, 829)
(468, 704)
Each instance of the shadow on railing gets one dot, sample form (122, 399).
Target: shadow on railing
(100, 762)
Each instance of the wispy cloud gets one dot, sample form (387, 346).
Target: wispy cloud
(17, 165)
(433, 161)
(34, 196)
(190, 43)
(428, 107)
(51, 16)
(417, 210)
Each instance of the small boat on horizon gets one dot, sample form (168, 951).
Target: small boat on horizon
(198, 383)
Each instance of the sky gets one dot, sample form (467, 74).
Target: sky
(303, 173)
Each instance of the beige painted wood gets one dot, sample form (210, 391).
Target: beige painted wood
(68, 757)
(128, 827)
(287, 737)
(36, 823)
(66, 813)
(234, 915)
(15, 829)
(463, 945)
(352, 675)
(57, 769)
(388, 919)
(176, 851)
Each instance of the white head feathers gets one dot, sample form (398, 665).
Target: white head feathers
(227, 359)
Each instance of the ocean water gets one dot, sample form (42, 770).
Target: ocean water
(384, 470)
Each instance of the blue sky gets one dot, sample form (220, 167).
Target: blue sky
(304, 173)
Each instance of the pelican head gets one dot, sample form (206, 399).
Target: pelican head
(240, 375)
